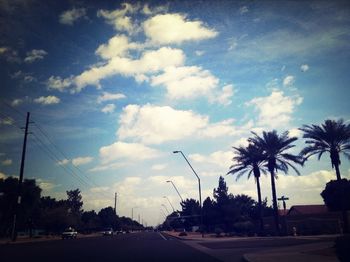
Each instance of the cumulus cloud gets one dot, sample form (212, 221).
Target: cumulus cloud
(151, 61)
(110, 97)
(9, 54)
(155, 124)
(70, 16)
(288, 80)
(154, 10)
(119, 19)
(2, 175)
(243, 10)
(78, 161)
(222, 159)
(275, 110)
(186, 81)
(175, 29)
(159, 167)
(47, 100)
(224, 96)
(118, 45)
(123, 150)
(304, 67)
(58, 83)
(16, 102)
(63, 162)
(23, 77)
(108, 109)
(34, 55)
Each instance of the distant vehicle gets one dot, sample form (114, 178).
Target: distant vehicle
(69, 233)
(119, 232)
(108, 232)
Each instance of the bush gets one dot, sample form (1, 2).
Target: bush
(218, 231)
(245, 227)
(182, 234)
(342, 245)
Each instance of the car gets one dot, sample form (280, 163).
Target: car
(108, 232)
(69, 233)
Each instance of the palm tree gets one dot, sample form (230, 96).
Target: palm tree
(275, 148)
(249, 160)
(332, 136)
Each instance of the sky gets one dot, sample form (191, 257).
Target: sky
(113, 88)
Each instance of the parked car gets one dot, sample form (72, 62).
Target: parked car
(108, 232)
(69, 233)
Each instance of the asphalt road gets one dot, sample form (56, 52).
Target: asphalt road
(148, 247)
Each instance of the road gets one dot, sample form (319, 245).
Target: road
(149, 246)
(146, 247)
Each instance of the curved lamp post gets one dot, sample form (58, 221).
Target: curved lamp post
(169, 181)
(199, 186)
(169, 203)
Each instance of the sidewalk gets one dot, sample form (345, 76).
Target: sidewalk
(321, 252)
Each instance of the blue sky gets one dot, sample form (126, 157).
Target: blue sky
(117, 86)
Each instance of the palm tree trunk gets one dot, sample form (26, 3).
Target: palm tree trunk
(274, 201)
(344, 212)
(260, 205)
(337, 171)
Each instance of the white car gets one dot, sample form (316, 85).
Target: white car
(108, 232)
(69, 233)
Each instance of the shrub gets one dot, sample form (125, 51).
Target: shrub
(182, 234)
(342, 245)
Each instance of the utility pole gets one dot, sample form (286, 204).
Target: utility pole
(283, 199)
(115, 203)
(20, 181)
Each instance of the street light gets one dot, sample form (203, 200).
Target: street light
(169, 181)
(169, 203)
(199, 187)
(165, 208)
(132, 218)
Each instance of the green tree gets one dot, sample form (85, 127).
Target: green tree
(332, 137)
(275, 149)
(249, 160)
(336, 195)
(108, 217)
(74, 203)
(190, 212)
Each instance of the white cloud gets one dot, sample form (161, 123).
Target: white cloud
(99, 189)
(24, 77)
(63, 162)
(17, 102)
(34, 55)
(156, 124)
(243, 10)
(110, 97)
(78, 161)
(47, 100)
(6, 162)
(6, 121)
(108, 109)
(222, 159)
(155, 10)
(159, 167)
(2, 175)
(104, 167)
(186, 81)
(304, 67)
(57, 83)
(119, 19)
(275, 110)
(151, 61)
(199, 52)
(224, 96)
(180, 181)
(117, 46)
(288, 80)
(9, 54)
(45, 185)
(122, 150)
(70, 16)
(175, 28)
(295, 132)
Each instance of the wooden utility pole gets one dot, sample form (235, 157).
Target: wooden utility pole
(19, 192)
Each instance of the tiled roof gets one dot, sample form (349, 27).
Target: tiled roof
(307, 209)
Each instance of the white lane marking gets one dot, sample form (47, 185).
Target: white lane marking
(162, 236)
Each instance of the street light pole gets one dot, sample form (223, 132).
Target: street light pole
(170, 203)
(165, 208)
(199, 187)
(169, 181)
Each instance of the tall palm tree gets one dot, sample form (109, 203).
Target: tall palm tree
(275, 148)
(332, 136)
(249, 160)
